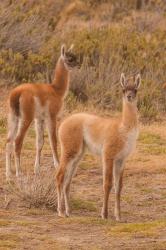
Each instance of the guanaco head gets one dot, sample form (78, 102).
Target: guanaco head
(69, 58)
(130, 88)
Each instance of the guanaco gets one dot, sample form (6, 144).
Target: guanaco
(112, 139)
(42, 103)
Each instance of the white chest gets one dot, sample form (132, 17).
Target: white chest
(129, 145)
(92, 144)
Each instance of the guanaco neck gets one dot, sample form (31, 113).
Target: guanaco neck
(61, 78)
(129, 114)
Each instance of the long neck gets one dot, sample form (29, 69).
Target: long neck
(61, 78)
(129, 114)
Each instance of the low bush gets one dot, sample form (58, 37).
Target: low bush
(34, 191)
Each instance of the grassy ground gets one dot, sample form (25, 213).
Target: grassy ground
(143, 201)
(109, 37)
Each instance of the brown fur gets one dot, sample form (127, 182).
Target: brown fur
(113, 139)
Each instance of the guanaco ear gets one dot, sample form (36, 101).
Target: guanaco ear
(63, 50)
(123, 80)
(71, 48)
(137, 81)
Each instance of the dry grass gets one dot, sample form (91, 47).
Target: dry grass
(109, 38)
(9, 241)
(142, 204)
(34, 191)
(148, 228)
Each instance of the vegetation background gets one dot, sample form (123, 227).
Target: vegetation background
(111, 36)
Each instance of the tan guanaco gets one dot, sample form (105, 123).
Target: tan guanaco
(112, 139)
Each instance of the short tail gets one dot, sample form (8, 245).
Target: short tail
(13, 116)
(14, 103)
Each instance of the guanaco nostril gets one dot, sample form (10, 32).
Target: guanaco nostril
(129, 97)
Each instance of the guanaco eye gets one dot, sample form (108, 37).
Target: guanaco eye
(70, 59)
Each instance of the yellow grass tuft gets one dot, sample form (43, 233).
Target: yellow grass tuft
(131, 229)
(9, 241)
(78, 204)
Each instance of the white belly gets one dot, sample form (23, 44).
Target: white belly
(40, 110)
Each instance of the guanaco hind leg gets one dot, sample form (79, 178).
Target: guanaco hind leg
(71, 169)
(64, 177)
(12, 130)
(22, 129)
